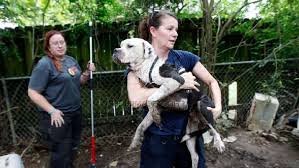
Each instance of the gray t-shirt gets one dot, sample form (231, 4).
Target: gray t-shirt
(61, 89)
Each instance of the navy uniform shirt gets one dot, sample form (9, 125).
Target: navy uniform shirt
(61, 89)
(174, 123)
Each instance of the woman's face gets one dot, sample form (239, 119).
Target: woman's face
(166, 34)
(57, 45)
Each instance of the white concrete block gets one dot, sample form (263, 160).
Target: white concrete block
(233, 94)
(262, 112)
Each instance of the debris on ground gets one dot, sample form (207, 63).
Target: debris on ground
(244, 149)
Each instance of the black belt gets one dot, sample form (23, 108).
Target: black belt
(165, 138)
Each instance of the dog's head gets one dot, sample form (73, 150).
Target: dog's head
(132, 52)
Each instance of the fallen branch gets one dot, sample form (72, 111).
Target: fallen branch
(6, 111)
(29, 146)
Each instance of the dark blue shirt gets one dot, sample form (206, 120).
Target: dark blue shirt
(174, 123)
(61, 89)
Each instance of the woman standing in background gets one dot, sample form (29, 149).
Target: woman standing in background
(54, 87)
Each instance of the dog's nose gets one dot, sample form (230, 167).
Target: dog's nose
(115, 50)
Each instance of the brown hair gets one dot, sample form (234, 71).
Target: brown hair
(154, 19)
(47, 37)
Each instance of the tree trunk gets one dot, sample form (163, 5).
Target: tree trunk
(208, 49)
(29, 51)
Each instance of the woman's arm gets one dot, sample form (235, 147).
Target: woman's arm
(202, 73)
(85, 75)
(40, 100)
(137, 92)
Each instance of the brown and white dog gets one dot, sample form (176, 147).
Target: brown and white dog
(140, 56)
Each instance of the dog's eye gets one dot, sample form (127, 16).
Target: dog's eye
(129, 46)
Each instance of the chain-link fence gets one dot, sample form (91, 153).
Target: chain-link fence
(116, 120)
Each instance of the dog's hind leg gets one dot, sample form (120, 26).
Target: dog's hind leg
(139, 133)
(191, 147)
(191, 143)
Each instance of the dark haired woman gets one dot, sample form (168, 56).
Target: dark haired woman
(54, 87)
(161, 147)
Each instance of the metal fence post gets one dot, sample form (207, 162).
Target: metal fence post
(9, 115)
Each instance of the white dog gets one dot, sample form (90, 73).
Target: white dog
(139, 55)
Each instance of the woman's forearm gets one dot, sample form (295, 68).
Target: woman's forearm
(86, 74)
(216, 94)
(40, 100)
(138, 97)
(137, 93)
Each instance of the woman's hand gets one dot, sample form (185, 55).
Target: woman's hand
(56, 118)
(91, 67)
(85, 75)
(190, 82)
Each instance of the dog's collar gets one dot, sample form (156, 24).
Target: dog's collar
(151, 69)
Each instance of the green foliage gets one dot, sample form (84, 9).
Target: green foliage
(47, 12)
(7, 46)
(278, 25)
(9, 54)
(274, 36)
(271, 86)
(286, 17)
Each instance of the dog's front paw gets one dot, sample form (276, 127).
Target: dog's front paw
(133, 145)
(130, 148)
(136, 141)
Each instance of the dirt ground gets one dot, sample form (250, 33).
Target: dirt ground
(250, 150)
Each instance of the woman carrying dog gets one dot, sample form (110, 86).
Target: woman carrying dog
(161, 147)
(54, 87)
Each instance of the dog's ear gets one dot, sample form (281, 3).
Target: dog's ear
(147, 49)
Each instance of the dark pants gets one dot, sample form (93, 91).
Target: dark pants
(63, 141)
(167, 152)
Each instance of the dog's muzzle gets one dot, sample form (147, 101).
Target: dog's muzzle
(115, 56)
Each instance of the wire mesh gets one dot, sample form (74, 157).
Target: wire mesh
(116, 120)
